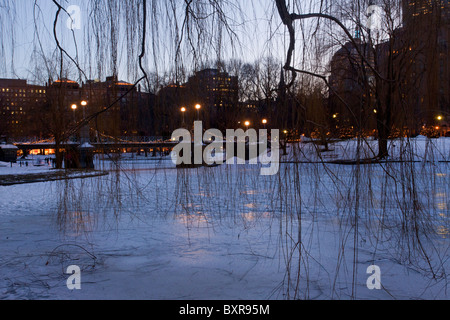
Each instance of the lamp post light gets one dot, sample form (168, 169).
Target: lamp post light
(84, 131)
(183, 111)
(198, 107)
(247, 124)
(264, 123)
(74, 107)
(84, 104)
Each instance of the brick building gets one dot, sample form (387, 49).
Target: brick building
(18, 102)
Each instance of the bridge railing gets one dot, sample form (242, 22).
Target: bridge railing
(31, 140)
(36, 140)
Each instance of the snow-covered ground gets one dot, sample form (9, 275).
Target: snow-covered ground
(33, 164)
(417, 149)
(150, 231)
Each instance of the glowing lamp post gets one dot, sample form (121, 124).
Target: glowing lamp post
(85, 129)
(74, 107)
(264, 123)
(183, 111)
(198, 107)
(84, 105)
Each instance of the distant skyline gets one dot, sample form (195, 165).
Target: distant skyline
(30, 39)
(256, 25)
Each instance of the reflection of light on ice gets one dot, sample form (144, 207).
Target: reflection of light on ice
(77, 222)
(253, 216)
(441, 201)
(249, 216)
(250, 192)
(443, 232)
(198, 218)
(251, 205)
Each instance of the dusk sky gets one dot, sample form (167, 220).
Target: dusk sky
(254, 22)
(260, 150)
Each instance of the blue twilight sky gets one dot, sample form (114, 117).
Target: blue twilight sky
(27, 36)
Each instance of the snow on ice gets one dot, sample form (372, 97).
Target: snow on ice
(150, 231)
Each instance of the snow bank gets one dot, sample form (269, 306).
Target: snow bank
(417, 149)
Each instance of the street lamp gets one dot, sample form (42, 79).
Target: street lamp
(198, 107)
(247, 124)
(440, 118)
(183, 111)
(264, 122)
(74, 107)
(84, 104)
(85, 128)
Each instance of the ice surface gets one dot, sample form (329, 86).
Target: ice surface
(150, 231)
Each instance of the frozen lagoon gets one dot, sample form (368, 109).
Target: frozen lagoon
(149, 231)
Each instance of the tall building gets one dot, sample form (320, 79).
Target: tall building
(127, 110)
(167, 112)
(350, 102)
(218, 93)
(19, 102)
(416, 56)
(43, 111)
(215, 89)
(414, 11)
(427, 34)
